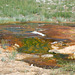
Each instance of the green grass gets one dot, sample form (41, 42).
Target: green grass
(14, 8)
(30, 10)
(4, 43)
(13, 55)
(67, 66)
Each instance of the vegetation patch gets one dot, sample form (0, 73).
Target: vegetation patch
(35, 45)
(33, 10)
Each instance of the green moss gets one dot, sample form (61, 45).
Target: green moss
(34, 45)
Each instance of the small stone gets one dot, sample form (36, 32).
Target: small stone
(31, 65)
(47, 56)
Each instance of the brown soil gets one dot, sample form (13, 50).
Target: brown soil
(59, 32)
(41, 62)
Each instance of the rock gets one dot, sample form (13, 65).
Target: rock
(53, 51)
(31, 65)
(54, 47)
(47, 55)
(72, 56)
(66, 50)
(23, 55)
(17, 45)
